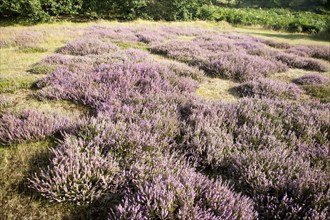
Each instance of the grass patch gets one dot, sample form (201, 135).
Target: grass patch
(16, 200)
(32, 49)
(292, 74)
(15, 83)
(321, 92)
(127, 45)
(217, 89)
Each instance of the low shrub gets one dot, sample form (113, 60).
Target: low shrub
(322, 92)
(29, 125)
(169, 189)
(266, 88)
(78, 173)
(240, 66)
(311, 79)
(87, 46)
(295, 61)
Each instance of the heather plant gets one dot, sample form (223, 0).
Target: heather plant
(320, 52)
(266, 88)
(278, 45)
(29, 125)
(78, 173)
(223, 56)
(166, 188)
(113, 82)
(311, 79)
(211, 133)
(270, 177)
(240, 66)
(151, 147)
(295, 61)
(87, 46)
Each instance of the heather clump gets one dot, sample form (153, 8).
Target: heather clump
(149, 148)
(29, 125)
(295, 61)
(113, 82)
(87, 46)
(278, 181)
(266, 88)
(311, 79)
(278, 45)
(234, 57)
(320, 52)
(271, 140)
(251, 124)
(167, 188)
(240, 66)
(78, 173)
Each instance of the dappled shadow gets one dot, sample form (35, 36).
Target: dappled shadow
(293, 36)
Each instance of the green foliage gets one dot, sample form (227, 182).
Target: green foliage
(321, 91)
(171, 10)
(277, 19)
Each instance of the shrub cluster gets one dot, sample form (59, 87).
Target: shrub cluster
(235, 56)
(154, 150)
(277, 19)
(265, 88)
(29, 125)
(311, 79)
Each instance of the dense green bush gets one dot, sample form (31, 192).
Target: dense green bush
(170, 10)
(277, 19)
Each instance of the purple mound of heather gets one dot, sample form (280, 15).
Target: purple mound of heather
(87, 46)
(311, 79)
(168, 189)
(295, 61)
(223, 56)
(77, 173)
(119, 82)
(278, 45)
(151, 149)
(240, 66)
(225, 138)
(29, 125)
(266, 88)
(320, 52)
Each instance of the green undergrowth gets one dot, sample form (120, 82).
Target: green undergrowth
(321, 92)
(17, 163)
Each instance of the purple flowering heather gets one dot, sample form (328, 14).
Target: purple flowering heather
(311, 79)
(278, 180)
(167, 189)
(87, 46)
(29, 125)
(278, 45)
(241, 66)
(156, 147)
(295, 61)
(77, 173)
(266, 88)
(320, 52)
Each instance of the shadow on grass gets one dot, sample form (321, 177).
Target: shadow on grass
(97, 210)
(295, 36)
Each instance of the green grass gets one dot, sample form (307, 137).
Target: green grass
(321, 92)
(17, 163)
(217, 89)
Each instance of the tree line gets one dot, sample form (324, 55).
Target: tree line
(44, 10)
